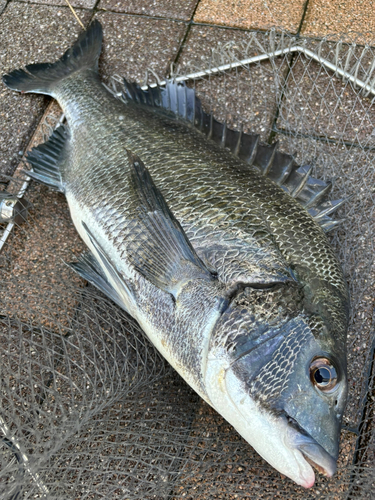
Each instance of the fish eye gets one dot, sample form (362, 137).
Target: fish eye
(323, 374)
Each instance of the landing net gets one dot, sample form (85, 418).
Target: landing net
(88, 408)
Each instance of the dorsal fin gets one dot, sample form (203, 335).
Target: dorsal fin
(181, 101)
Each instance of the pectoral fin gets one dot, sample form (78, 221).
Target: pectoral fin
(89, 269)
(160, 251)
(118, 289)
(47, 159)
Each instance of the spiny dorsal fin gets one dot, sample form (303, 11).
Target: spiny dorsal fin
(160, 249)
(46, 159)
(181, 101)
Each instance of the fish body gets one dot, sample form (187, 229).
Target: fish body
(230, 277)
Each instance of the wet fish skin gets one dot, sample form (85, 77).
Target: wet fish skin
(240, 298)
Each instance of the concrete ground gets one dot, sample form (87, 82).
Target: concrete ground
(144, 35)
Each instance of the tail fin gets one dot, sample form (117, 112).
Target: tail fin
(42, 78)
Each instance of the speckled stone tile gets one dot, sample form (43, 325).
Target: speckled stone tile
(353, 175)
(85, 4)
(18, 120)
(172, 9)
(347, 19)
(320, 104)
(240, 97)
(149, 427)
(366, 445)
(252, 13)
(39, 33)
(134, 44)
(41, 284)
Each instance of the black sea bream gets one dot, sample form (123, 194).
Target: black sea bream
(214, 243)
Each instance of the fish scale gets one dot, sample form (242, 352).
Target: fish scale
(254, 194)
(215, 243)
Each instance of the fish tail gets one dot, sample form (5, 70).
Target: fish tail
(43, 78)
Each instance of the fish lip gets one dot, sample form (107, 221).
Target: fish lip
(311, 450)
(319, 458)
(319, 468)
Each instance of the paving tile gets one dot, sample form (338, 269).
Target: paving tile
(353, 175)
(134, 44)
(35, 254)
(172, 9)
(86, 4)
(345, 19)
(318, 103)
(150, 426)
(366, 445)
(245, 96)
(252, 13)
(41, 284)
(18, 120)
(39, 33)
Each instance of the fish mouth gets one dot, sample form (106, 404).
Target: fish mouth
(319, 458)
(311, 450)
(318, 467)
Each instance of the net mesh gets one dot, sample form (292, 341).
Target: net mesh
(88, 408)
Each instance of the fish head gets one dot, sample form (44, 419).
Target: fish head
(279, 378)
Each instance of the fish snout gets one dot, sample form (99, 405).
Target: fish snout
(312, 451)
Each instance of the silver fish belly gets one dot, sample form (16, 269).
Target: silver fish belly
(228, 274)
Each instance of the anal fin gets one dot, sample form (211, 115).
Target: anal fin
(47, 158)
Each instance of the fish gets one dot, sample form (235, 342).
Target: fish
(214, 242)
